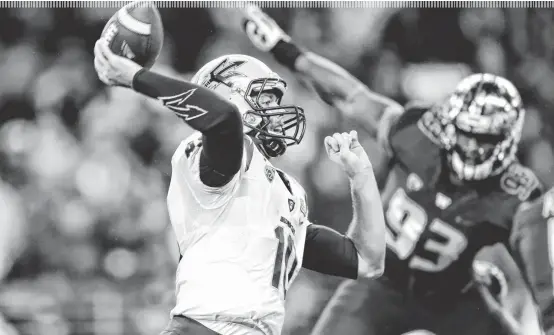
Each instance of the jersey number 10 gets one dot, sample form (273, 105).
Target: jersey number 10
(283, 270)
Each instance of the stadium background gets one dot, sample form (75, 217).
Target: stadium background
(85, 168)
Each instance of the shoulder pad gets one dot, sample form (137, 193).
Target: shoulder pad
(436, 126)
(408, 118)
(426, 119)
(520, 181)
(412, 146)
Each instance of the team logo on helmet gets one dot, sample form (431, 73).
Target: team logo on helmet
(222, 73)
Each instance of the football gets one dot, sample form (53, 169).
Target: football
(136, 32)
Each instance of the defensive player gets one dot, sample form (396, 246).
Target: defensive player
(242, 224)
(452, 187)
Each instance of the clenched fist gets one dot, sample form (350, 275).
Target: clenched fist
(345, 150)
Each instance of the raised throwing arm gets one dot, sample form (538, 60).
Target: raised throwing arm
(217, 119)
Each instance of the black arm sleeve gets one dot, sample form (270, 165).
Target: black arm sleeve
(216, 118)
(222, 152)
(329, 252)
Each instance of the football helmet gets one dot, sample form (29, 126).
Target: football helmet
(246, 82)
(484, 120)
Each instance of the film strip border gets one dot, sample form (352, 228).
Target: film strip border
(284, 4)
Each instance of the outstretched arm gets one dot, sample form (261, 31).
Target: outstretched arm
(334, 84)
(342, 90)
(218, 120)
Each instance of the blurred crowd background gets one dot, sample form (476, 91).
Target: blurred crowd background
(86, 246)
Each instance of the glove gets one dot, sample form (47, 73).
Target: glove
(261, 29)
(267, 36)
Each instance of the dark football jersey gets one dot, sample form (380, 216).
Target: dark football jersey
(532, 246)
(435, 228)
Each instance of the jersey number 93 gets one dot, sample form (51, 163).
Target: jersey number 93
(406, 221)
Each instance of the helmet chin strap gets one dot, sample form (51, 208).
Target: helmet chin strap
(270, 148)
(273, 147)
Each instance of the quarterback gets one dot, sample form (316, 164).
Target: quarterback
(242, 224)
(451, 186)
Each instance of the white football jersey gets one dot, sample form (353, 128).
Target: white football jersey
(241, 244)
